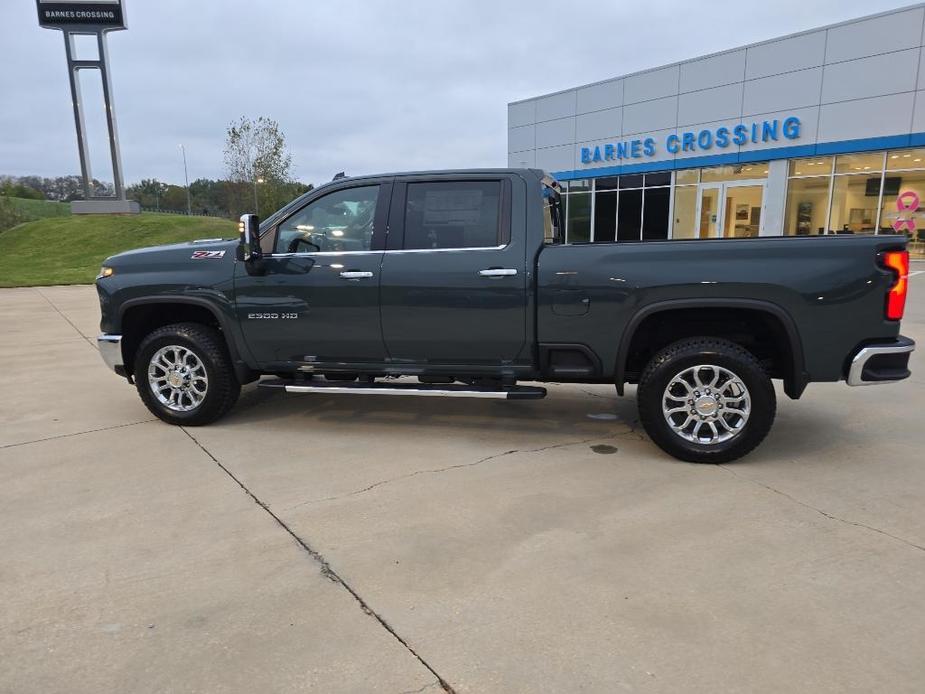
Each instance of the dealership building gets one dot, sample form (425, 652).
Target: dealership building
(813, 133)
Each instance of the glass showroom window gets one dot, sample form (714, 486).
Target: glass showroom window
(715, 197)
(871, 192)
(632, 208)
(577, 200)
(856, 193)
(734, 172)
(808, 193)
(685, 208)
(903, 202)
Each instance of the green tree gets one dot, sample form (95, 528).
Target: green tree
(257, 164)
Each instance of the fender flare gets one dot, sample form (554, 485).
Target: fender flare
(794, 381)
(242, 366)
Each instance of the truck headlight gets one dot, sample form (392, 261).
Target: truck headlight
(105, 271)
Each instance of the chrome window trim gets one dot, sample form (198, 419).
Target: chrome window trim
(446, 250)
(312, 254)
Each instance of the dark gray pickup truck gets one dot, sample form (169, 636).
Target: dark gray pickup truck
(460, 279)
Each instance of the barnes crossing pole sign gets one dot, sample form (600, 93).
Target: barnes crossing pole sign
(74, 18)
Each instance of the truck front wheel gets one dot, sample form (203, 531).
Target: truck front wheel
(706, 400)
(184, 375)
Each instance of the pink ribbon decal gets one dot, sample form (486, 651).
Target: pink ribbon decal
(907, 204)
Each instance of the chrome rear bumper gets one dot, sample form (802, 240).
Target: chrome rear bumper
(886, 362)
(111, 350)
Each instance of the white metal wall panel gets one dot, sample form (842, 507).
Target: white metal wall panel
(556, 158)
(555, 106)
(654, 84)
(522, 113)
(918, 113)
(650, 115)
(718, 103)
(522, 159)
(878, 75)
(874, 35)
(785, 55)
(779, 92)
(598, 97)
(555, 132)
(519, 139)
(714, 71)
(881, 115)
(600, 125)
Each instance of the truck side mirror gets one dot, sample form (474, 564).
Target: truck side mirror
(249, 228)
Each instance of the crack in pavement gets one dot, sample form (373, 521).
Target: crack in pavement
(826, 514)
(435, 471)
(60, 313)
(326, 570)
(417, 691)
(77, 433)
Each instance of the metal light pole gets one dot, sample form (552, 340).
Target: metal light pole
(257, 180)
(189, 209)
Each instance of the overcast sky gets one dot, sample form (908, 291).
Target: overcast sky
(356, 86)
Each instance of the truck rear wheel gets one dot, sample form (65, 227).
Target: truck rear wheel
(184, 375)
(706, 400)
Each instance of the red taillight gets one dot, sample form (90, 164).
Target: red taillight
(898, 261)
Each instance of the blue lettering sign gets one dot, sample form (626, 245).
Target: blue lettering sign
(791, 128)
(693, 141)
(769, 130)
(741, 134)
(704, 139)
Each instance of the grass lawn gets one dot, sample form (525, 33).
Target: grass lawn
(70, 250)
(39, 209)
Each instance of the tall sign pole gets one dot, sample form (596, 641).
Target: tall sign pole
(75, 18)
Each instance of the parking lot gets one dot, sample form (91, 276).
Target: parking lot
(359, 543)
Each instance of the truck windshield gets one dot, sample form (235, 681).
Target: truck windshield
(552, 215)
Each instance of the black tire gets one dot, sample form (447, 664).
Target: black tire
(673, 361)
(207, 345)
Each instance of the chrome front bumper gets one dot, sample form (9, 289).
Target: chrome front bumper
(881, 363)
(111, 350)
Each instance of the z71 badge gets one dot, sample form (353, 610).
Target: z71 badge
(205, 255)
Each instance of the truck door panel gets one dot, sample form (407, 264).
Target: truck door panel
(454, 279)
(318, 300)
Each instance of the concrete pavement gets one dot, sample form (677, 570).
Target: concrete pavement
(347, 544)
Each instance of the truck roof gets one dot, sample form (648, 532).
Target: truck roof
(441, 172)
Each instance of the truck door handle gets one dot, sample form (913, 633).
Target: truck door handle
(355, 274)
(498, 272)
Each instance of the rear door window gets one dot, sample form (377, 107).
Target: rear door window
(453, 214)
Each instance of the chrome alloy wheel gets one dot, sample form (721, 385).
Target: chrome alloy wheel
(706, 404)
(178, 378)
